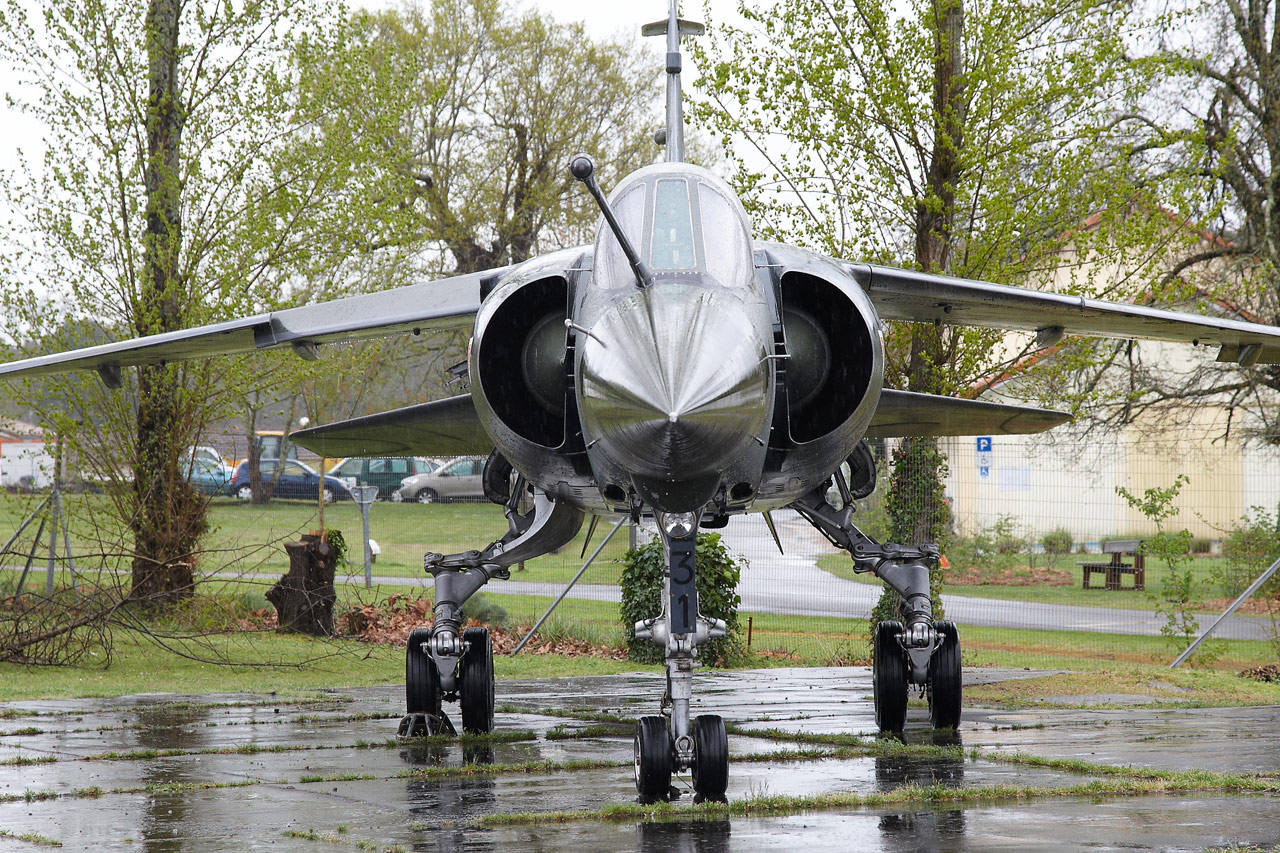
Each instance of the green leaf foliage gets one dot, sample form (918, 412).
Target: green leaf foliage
(718, 573)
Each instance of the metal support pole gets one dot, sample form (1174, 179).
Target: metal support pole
(66, 548)
(23, 526)
(1244, 596)
(556, 603)
(364, 496)
(55, 512)
(368, 551)
(31, 558)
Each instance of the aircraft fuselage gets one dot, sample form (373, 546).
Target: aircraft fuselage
(737, 377)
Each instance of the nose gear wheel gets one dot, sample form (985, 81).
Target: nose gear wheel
(710, 757)
(653, 757)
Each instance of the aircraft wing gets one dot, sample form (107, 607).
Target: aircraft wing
(907, 295)
(449, 303)
(448, 427)
(904, 413)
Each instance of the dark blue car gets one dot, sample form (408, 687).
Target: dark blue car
(296, 481)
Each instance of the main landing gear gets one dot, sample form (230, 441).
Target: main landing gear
(447, 663)
(916, 651)
(671, 742)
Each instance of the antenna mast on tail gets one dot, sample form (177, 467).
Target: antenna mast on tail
(674, 27)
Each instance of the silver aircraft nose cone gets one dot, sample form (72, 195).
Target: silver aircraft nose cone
(674, 381)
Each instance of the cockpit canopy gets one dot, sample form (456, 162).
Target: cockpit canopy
(685, 223)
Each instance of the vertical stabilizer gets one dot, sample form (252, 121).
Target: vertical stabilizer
(673, 28)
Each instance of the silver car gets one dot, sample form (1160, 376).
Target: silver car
(456, 480)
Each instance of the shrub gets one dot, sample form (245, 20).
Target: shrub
(481, 609)
(1249, 548)
(1057, 542)
(718, 573)
(1201, 545)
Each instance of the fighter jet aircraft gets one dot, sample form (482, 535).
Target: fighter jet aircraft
(678, 368)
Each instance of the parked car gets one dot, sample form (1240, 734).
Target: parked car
(456, 480)
(296, 481)
(385, 472)
(204, 451)
(209, 477)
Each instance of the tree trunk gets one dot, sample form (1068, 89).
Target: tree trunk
(304, 598)
(170, 516)
(919, 514)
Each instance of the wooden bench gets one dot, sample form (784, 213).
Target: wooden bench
(1116, 568)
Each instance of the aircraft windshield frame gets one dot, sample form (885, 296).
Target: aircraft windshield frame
(684, 227)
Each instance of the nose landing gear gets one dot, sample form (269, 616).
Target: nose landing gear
(700, 745)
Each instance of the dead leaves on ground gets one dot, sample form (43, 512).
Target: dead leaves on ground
(392, 622)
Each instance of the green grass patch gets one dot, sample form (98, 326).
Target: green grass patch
(767, 804)
(532, 766)
(30, 837)
(594, 730)
(337, 777)
(27, 761)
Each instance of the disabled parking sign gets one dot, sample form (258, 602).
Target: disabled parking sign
(984, 456)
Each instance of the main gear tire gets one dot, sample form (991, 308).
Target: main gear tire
(946, 680)
(475, 674)
(889, 677)
(421, 681)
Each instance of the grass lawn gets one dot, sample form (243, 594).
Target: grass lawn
(247, 538)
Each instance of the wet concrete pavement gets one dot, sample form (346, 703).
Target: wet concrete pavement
(323, 772)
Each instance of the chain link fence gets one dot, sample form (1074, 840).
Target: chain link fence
(1025, 514)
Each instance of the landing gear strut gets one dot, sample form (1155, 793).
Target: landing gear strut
(914, 651)
(673, 742)
(445, 662)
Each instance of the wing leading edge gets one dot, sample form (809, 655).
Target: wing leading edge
(904, 413)
(448, 427)
(449, 303)
(915, 296)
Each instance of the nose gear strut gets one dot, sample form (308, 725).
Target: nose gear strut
(672, 742)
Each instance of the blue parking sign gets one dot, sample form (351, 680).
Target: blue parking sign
(984, 444)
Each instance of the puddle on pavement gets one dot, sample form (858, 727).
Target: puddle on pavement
(349, 777)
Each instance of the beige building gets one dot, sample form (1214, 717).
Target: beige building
(1065, 478)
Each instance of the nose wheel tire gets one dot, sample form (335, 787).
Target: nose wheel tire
(889, 677)
(945, 679)
(710, 757)
(475, 693)
(421, 681)
(653, 757)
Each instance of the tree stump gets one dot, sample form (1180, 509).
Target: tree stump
(304, 597)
